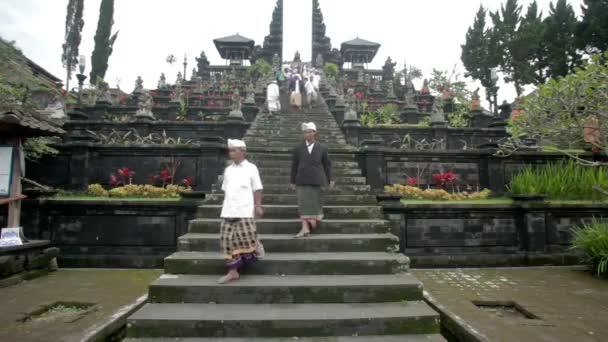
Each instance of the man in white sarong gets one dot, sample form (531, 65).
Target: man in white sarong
(273, 97)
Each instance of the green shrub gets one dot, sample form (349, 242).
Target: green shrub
(564, 180)
(383, 116)
(592, 241)
(331, 69)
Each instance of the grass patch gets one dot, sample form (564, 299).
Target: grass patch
(591, 240)
(497, 200)
(82, 197)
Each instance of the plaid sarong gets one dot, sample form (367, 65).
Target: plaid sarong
(238, 241)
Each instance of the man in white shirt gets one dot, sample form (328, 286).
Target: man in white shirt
(311, 94)
(316, 80)
(273, 97)
(242, 188)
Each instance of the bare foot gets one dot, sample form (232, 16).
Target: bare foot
(229, 277)
(305, 232)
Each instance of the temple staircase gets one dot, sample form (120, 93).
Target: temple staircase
(345, 283)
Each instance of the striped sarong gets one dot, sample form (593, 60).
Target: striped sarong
(238, 242)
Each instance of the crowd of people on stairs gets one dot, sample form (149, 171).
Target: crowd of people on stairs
(298, 79)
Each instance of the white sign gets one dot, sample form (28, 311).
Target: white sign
(10, 237)
(6, 170)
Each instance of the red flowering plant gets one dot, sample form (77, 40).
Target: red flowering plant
(411, 181)
(123, 176)
(188, 181)
(444, 179)
(122, 99)
(153, 94)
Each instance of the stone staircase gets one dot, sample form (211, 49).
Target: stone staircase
(344, 283)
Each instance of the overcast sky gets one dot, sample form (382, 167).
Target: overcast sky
(427, 34)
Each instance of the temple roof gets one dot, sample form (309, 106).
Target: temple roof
(361, 42)
(22, 123)
(237, 38)
(360, 49)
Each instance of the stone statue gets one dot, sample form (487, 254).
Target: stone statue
(139, 85)
(236, 100)
(297, 58)
(193, 75)
(388, 69)
(178, 93)
(145, 103)
(276, 62)
(319, 61)
(409, 93)
(162, 82)
(390, 89)
(437, 114)
(103, 92)
(199, 84)
(179, 79)
(236, 113)
(360, 76)
(250, 94)
(350, 113)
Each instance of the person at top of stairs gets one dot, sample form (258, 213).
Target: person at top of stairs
(310, 170)
(273, 97)
(295, 90)
(242, 186)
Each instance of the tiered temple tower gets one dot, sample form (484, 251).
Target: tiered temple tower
(273, 43)
(321, 44)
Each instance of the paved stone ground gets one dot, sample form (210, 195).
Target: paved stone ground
(571, 304)
(110, 289)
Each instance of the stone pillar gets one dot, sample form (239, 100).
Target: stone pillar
(80, 166)
(235, 129)
(440, 132)
(534, 229)
(374, 166)
(351, 131)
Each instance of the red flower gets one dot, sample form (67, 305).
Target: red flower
(188, 181)
(443, 179)
(113, 180)
(411, 181)
(359, 95)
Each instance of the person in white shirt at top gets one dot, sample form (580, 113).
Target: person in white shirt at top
(273, 97)
(316, 80)
(242, 188)
(311, 94)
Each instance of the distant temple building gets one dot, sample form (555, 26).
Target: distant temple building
(235, 48)
(359, 52)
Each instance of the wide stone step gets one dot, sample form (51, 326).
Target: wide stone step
(349, 157)
(270, 226)
(268, 178)
(288, 199)
(291, 211)
(287, 163)
(281, 171)
(292, 263)
(280, 320)
(385, 338)
(286, 243)
(338, 189)
(182, 288)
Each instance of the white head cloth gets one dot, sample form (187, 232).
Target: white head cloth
(310, 126)
(235, 143)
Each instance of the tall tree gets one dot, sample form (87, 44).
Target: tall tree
(592, 31)
(480, 52)
(506, 22)
(529, 48)
(73, 28)
(560, 30)
(104, 41)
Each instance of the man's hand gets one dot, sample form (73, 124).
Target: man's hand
(259, 211)
(292, 187)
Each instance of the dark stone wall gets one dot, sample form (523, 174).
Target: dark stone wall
(81, 164)
(109, 233)
(477, 168)
(463, 235)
